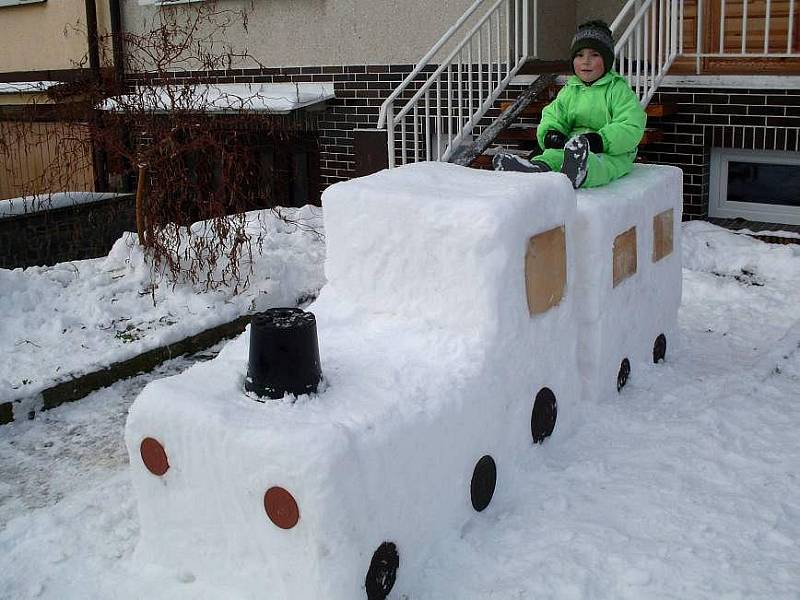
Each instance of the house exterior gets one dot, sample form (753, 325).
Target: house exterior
(733, 126)
(47, 45)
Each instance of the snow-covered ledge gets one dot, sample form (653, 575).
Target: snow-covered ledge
(26, 205)
(26, 87)
(753, 82)
(273, 98)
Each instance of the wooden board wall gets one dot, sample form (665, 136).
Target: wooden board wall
(44, 157)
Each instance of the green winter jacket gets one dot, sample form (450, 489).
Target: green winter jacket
(608, 106)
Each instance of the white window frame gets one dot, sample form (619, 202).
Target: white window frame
(19, 2)
(718, 204)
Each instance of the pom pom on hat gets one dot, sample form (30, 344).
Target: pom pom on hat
(597, 36)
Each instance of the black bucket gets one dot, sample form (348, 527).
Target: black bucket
(284, 353)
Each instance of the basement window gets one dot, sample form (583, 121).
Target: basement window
(757, 185)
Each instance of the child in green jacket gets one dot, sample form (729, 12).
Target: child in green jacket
(591, 130)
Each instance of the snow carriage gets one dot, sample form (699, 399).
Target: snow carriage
(450, 337)
(628, 275)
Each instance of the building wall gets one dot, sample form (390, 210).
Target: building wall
(557, 23)
(349, 32)
(759, 119)
(47, 35)
(607, 10)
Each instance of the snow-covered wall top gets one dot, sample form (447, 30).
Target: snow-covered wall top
(13, 207)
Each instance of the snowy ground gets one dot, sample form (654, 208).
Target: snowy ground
(110, 309)
(685, 486)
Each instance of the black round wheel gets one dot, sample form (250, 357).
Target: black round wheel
(543, 417)
(660, 348)
(484, 479)
(382, 571)
(624, 373)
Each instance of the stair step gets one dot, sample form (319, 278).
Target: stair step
(517, 134)
(652, 135)
(661, 110)
(482, 161)
(537, 67)
(534, 109)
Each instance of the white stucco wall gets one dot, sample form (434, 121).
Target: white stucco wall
(328, 32)
(352, 32)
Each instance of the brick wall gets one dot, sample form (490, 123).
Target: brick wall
(69, 233)
(360, 91)
(767, 119)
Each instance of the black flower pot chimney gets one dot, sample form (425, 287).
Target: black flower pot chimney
(284, 353)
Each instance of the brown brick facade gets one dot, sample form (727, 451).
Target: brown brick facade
(766, 119)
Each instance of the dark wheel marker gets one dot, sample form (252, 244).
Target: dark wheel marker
(484, 479)
(660, 348)
(382, 571)
(624, 373)
(543, 417)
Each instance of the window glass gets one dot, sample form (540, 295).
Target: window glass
(763, 183)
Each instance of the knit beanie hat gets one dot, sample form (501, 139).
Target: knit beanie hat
(597, 36)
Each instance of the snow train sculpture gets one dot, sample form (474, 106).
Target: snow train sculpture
(464, 311)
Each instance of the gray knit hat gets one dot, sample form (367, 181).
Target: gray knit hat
(597, 36)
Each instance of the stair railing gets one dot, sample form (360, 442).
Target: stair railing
(648, 44)
(443, 111)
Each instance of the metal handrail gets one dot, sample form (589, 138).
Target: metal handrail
(425, 60)
(649, 44)
(453, 99)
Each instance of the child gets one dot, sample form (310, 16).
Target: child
(591, 130)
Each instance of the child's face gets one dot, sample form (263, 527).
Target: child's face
(588, 65)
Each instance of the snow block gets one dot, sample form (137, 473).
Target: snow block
(628, 273)
(448, 345)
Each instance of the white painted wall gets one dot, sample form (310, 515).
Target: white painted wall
(352, 32)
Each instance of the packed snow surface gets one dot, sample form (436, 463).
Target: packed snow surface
(77, 317)
(683, 486)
